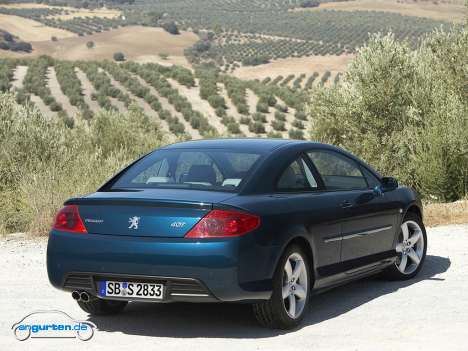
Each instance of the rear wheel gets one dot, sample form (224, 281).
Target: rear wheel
(411, 249)
(102, 307)
(291, 290)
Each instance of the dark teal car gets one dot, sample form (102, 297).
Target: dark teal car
(261, 221)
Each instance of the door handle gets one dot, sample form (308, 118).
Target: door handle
(346, 204)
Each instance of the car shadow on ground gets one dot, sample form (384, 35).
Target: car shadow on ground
(185, 320)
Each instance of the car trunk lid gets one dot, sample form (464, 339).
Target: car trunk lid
(165, 213)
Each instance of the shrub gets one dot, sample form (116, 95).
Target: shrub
(55, 106)
(256, 127)
(255, 61)
(259, 117)
(90, 44)
(44, 162)
(171, 27)
(278, 125)
(296, 134)
(280, 116)
(310, 3)
(119, 56)
(404, 111)
(262, 107)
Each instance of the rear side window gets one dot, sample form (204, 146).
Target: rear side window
(297, 177)
(337, 171)
(190, 169)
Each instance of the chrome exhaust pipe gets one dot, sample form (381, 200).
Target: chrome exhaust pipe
(76, 295)
(84, 296)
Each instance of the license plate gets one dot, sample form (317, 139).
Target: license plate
(131, 290)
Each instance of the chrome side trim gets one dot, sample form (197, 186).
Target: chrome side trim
(357, 235)
(367, 232)
(330, 240)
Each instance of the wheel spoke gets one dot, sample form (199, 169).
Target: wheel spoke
(399, 248)
(300, 292)
(292, 306)
(405, 230)
(285, 291)
(297, 270)
(415, 238)
(414, 256)
(288, 270)
(402, 265)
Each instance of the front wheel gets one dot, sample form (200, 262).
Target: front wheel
(411, 249)
(291, 290)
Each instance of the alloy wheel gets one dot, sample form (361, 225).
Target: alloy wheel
(295, 285)
(410, 247)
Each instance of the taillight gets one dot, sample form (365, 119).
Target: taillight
(221, 223)
(68, 219)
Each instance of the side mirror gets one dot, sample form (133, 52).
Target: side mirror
(389, 184)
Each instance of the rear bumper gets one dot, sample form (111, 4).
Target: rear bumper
(211, 267)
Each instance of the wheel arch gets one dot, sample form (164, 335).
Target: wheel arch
(305, 244)
(415, 209)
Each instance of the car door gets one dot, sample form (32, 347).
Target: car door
(301, 192)
(369, 220)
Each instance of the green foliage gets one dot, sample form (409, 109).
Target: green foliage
(255, 61)
(43, 162)
(259, 117)
(256, 127)
(404, 111)
(6, 74)
(119, 56)
(171, 27)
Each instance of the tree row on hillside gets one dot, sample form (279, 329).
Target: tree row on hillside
(104, 90)
(71, 86)
(35, 82)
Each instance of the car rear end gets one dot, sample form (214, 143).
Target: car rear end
(154, 244)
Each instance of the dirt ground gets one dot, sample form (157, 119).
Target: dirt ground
(452, 11)
(446, 213)
(429, 312)
(136, 42)
(29, 30)
(296, 66)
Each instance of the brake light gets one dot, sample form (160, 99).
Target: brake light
(68, 220)
(221, 223)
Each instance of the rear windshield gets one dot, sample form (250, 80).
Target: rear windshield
(190, 169)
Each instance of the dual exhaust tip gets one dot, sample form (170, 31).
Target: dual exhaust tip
(81, 296)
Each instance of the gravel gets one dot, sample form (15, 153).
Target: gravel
(429, 312)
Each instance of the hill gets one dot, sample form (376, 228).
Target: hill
(244, 32)
(186, 104)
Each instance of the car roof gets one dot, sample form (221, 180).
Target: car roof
(245, 144)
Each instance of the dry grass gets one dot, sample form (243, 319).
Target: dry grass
(28, 5)
(453, 11)
(136, 42)
(296, 66)
(450, 213)
(72, 11)
(29, 30)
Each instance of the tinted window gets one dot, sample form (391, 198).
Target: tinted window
(338, 172)
(296, 177)
(372, 180)
(203, 169)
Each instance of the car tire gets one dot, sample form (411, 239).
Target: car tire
(414, 250)
(275, 313)
(99, 307)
